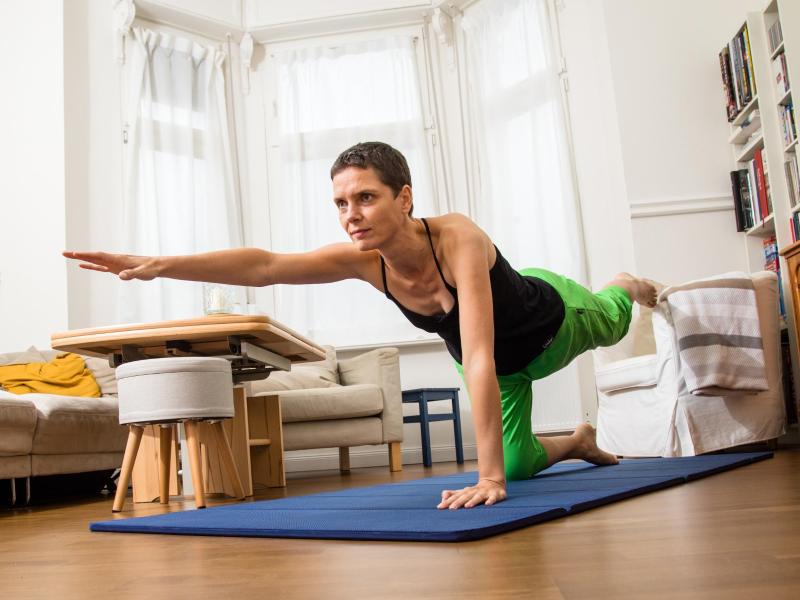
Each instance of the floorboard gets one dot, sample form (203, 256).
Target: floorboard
(731, 535)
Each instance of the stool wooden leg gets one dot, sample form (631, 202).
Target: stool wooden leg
(344, 460)
(131, 449)
(165, 449)
(457, 429)
(395, 457)
(228, 462)
(193, 440)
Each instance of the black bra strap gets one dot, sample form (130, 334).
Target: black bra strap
(383, 274)
(436, 260)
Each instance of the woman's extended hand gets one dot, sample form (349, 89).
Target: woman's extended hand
(125, 266)
(486, 491)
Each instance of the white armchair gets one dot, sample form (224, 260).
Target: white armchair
(645, 408)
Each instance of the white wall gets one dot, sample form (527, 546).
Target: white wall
(665, 77)
(33, 286)
(93, 156)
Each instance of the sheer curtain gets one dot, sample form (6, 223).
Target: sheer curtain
(329, 98)
(522, 175)
(521, 170)
(180, 194)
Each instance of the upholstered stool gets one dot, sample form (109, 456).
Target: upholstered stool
(170, 390)
(421, 397)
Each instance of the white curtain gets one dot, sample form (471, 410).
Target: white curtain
(329, 98)
(521, 169)
(180, 193)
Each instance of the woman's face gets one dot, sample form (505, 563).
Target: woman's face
(369, 211)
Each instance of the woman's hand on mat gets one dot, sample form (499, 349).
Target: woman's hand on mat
(486, 491)
(125, 266)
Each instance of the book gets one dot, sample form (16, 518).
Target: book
(779, 74)
(727, 83)
(752, 185)
(748, 64)
(775, 36)
(792, 180)
(761, 185)
(735, 75)
(737, 201)
(747, 198)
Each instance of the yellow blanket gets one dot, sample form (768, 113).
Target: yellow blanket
(66, 375)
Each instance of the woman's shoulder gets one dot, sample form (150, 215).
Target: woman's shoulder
(452, 223)
(455, 227)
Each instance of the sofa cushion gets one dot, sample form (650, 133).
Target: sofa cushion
(71, 425)
(327, 369)
(322, 404)
(17, 424)
(296, 379)
(21, 358)
(103, 373)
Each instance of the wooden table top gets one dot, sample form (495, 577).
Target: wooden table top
(208, 335)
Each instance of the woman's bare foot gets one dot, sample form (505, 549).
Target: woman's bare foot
(587, 449)
(640, 290)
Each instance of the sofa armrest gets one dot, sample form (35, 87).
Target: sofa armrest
(635, 372)
(382, 368)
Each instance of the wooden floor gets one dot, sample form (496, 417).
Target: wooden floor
(731, 535)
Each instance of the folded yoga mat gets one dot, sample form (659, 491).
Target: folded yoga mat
(407, 510)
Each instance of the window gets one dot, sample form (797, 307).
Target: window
(325, 98)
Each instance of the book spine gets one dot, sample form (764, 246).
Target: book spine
(752, 182)
(737, 201)
(735, 75)
(747, 198)
(761, 185)
(727, 84)
(751, 76)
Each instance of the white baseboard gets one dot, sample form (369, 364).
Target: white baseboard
(371, 456)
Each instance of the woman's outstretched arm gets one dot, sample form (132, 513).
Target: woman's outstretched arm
(238, 266)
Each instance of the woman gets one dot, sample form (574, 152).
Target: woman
(504, 329)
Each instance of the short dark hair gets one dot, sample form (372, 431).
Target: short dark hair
(389, 164)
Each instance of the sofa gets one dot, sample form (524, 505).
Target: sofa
(341, 403)
(46, 434)
(329, 403)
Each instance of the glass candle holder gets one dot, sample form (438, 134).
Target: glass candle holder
(217, 298)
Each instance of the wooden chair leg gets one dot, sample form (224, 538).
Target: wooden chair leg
(228, 462)
(165, 450)
(344, 460)
(193, 441)
(131, 449)
(395, 457)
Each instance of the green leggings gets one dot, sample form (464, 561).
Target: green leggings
(591, 320)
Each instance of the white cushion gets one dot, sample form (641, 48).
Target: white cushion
(636, 372)
(174, 389)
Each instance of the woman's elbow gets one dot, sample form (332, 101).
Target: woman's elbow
(479, 363)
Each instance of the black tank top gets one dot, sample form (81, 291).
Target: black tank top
(527, 315)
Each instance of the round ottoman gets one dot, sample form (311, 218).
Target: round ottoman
(168, 390)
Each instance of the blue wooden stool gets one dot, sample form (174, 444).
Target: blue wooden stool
(424, 395)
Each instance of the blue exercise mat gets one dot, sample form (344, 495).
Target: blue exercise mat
(407, 510)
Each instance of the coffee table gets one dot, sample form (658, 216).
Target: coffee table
(255, 345)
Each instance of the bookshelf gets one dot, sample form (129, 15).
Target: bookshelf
(763, 140)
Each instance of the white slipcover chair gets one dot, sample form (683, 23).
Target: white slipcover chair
(645, 409)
